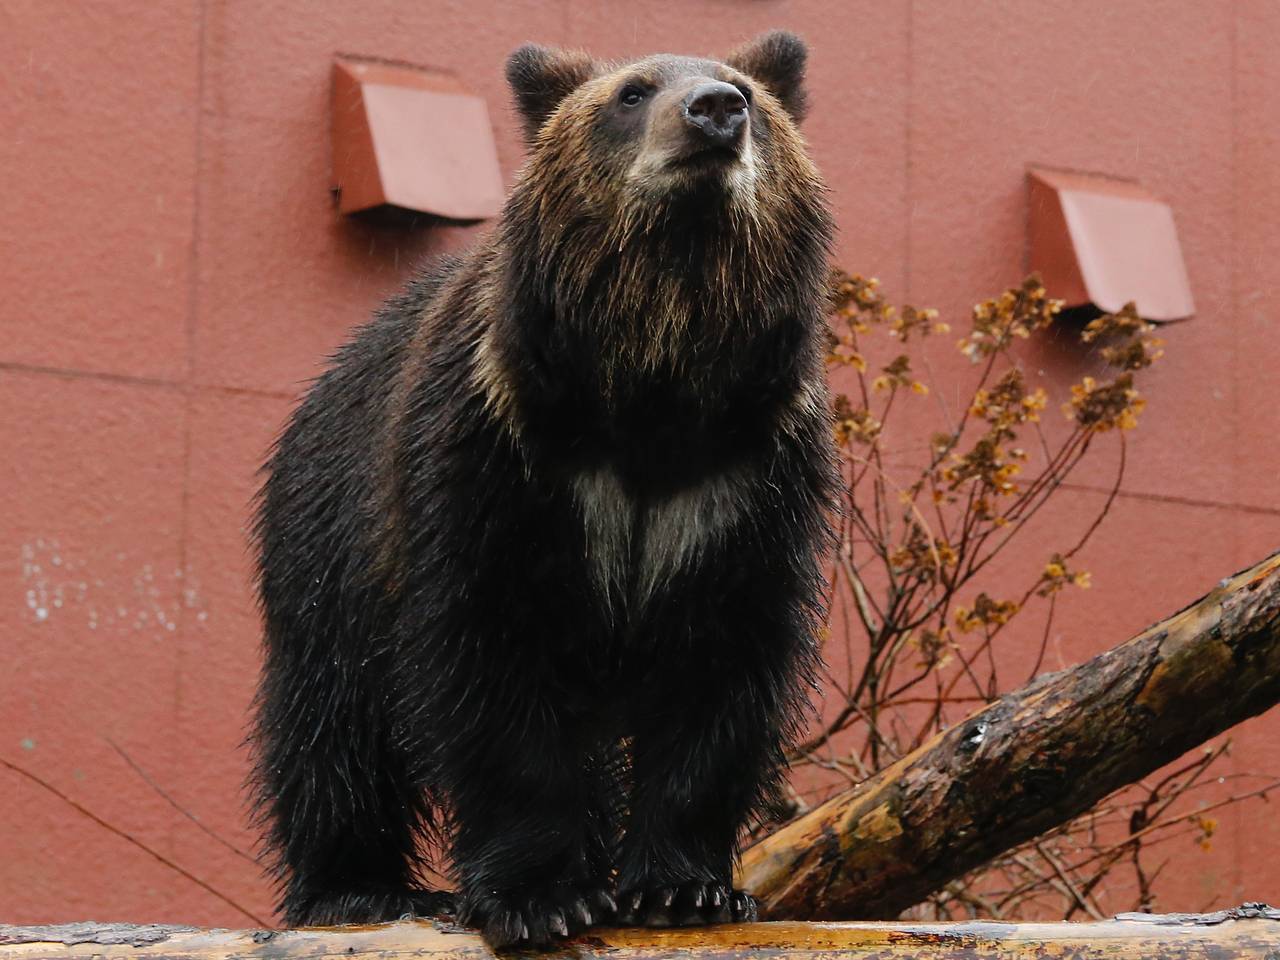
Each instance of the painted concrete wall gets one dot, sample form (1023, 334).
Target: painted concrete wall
(172, 271)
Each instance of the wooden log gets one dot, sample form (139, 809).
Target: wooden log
(1028, 762)
(1251, 931)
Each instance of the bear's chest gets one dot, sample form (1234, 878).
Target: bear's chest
(637, 546)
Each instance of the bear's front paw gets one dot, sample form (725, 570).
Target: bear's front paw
(685, 905)
(537, 917)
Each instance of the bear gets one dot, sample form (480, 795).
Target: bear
(540, 554)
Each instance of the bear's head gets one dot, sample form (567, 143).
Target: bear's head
(665, 126)
(668, 216)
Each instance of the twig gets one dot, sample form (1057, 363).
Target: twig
(174, 803)
(181, 871)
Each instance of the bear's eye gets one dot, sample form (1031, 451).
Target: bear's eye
(630, 95)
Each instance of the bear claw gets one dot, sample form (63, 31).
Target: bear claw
(538, 918)
(688, 904)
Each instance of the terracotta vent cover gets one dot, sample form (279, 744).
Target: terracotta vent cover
(1105, 241)
(410, 138)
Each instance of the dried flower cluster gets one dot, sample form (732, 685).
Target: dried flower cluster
(1105, 406)
(1016, 313)
(922, 554)
(985, 613)
(854, 425)
(897, 373)
(1057, 574)
(1115, 404)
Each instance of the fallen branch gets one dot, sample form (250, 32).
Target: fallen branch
(1028, 762)
(1249, 931)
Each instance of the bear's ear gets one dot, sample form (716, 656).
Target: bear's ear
(777, 60)
(541, 77)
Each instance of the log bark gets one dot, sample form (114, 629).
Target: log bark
(1029, 761)
(1251, 931)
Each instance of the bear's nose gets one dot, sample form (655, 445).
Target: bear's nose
(718, 110)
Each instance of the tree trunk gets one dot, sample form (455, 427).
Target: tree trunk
(1249, 931)
(1028, 762)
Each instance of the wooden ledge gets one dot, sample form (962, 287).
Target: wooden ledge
(1251, 931)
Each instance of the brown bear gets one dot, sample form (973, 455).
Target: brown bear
(540, 554)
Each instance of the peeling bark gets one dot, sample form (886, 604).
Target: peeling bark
(1250, 931)
(1029, 762)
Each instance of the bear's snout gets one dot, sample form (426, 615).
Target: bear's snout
(718, 111)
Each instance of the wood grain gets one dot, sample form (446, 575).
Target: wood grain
(1252, 931)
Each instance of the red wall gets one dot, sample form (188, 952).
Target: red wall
(171, 271)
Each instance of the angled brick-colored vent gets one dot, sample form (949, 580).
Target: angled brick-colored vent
(410, 138)
(1105, 241)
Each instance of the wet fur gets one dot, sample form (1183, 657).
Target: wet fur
(539, 554)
